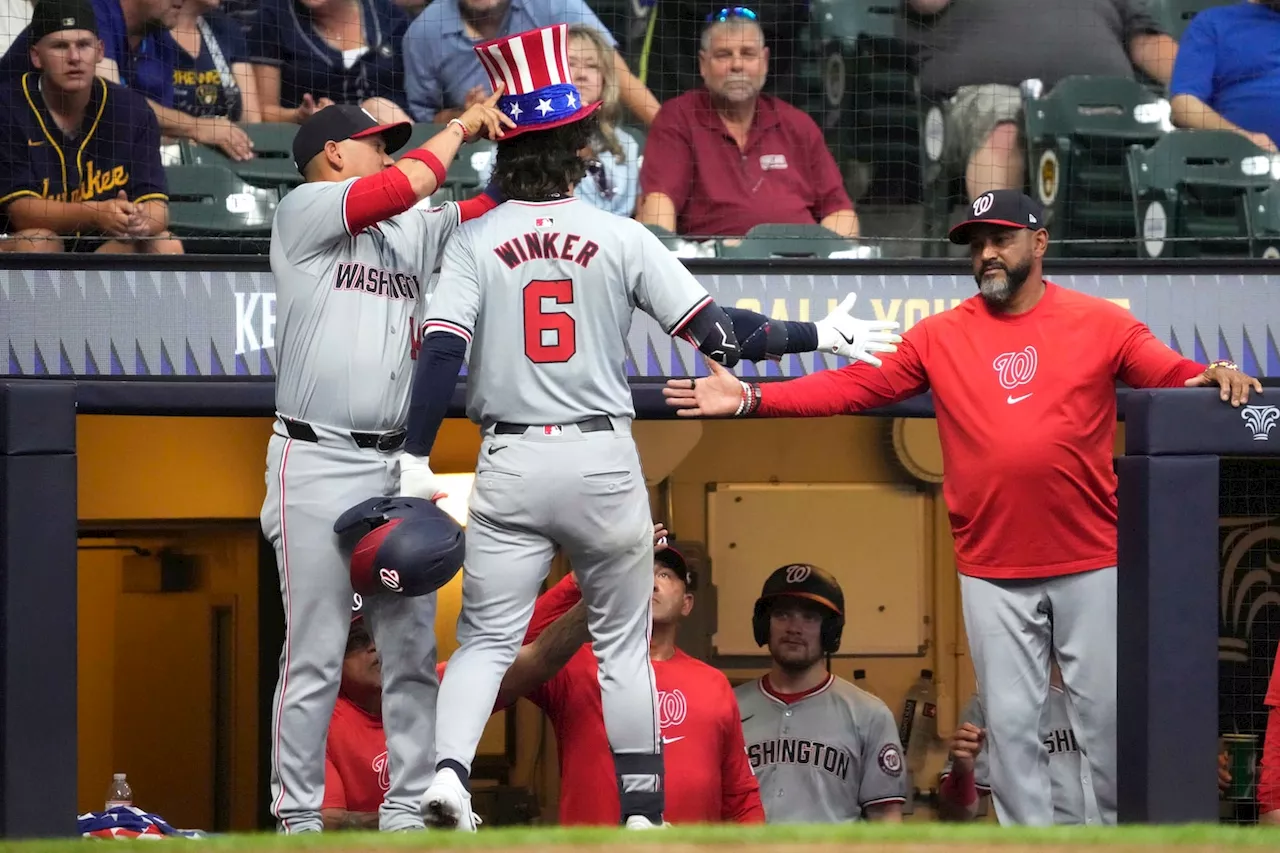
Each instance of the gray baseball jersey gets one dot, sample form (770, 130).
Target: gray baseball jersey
(1073, 799)
(348, 309)
(546, 293)
(824, 757)
(347, 313)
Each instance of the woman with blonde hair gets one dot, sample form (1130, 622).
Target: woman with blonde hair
(613, 178)
(613, 171)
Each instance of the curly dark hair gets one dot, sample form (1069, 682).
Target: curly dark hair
(544, 164)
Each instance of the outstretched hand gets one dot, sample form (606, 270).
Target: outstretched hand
(715, 396)
(843, 334)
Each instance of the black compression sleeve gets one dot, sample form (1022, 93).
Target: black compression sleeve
(434, 379)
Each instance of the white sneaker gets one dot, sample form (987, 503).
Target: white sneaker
(447, 805)
(639, 821)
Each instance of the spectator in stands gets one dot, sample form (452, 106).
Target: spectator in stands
(976, 53)
(308, 54)
(213, 76)
(139, 53)
(614, 174)
(14, 17)
(732, 158)
(62, 117)
(356, 772)
(443, 76)
(1228, 72)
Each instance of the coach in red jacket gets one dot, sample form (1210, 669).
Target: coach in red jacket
(1023, 377)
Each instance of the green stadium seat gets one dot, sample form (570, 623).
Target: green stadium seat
(1197, 192)
(215, 211)
(870, 108)
(1174, 15)
(272, 166)
(1078, 136)
(790, 241)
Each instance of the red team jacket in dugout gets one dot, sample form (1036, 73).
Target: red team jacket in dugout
(1026, 411)
(708, 778)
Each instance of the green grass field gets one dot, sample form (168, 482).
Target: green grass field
(775, 839)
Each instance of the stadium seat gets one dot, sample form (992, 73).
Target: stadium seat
(272, 166)
(1174, 15)
(790, 241)
(1077, 137)
(870, 111)
(215, 211)
(1197, 193)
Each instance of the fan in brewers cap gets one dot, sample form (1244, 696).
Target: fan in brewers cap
(533, 66)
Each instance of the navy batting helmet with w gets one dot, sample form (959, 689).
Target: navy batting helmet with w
(408, 546)
(801, 580)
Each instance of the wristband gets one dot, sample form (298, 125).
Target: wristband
(960, 788)
(750, 400)
(462, 128)
(431, 161)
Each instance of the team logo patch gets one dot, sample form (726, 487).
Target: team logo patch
(798, 573)
(390, 579)
(983, 203)
(890, 759)
(1016, 368)
(382, 767)
(672, 708)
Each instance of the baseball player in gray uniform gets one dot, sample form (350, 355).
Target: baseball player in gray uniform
(350, 258)
(544, 291)
(966, 774)
(823, 750)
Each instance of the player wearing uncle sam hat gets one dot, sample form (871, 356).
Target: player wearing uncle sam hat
(547, 384)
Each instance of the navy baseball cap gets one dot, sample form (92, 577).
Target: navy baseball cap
(1010, 208)
(340, 122)
(674, 560)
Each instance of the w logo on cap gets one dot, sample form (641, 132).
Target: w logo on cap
(983, 203)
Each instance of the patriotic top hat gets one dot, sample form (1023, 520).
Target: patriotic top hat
(534, 68)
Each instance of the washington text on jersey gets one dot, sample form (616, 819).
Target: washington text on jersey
(789, 750)
(381, 282)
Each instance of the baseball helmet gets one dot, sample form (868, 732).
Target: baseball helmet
(801, 580)
(408, 546)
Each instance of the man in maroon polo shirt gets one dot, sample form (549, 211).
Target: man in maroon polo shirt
(726, 158)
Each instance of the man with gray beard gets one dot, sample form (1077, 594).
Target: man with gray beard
(1023, 378)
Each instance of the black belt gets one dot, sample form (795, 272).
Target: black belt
(385, 442)
(599, 423)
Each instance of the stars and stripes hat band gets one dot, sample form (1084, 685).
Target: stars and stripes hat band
(533, 67)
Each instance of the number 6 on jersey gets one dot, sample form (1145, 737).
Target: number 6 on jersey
(550, 337)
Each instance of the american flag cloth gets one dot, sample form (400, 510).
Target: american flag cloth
(129, 822)
(533, 68)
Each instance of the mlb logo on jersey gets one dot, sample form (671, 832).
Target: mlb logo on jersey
(551, 430)
(544, 222)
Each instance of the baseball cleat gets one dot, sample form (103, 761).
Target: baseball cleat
(639, 821)
(447, 805)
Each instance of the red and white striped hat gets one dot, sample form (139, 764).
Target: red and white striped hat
(534, 68)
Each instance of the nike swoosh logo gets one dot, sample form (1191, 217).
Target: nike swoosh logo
(747, 717)
(493, 450)
(672, 739)
(1012, 399)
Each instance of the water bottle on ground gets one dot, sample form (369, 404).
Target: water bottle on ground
(918, 728)
(119, 794)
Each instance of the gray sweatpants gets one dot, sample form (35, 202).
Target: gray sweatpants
(584, 492)
(1011, 627)
(308, 486)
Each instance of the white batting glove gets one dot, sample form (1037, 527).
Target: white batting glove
(417, 480)
(843, 334)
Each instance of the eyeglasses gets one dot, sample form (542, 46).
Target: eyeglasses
(729, 12)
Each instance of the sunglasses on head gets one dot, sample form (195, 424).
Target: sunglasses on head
(730, 12)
